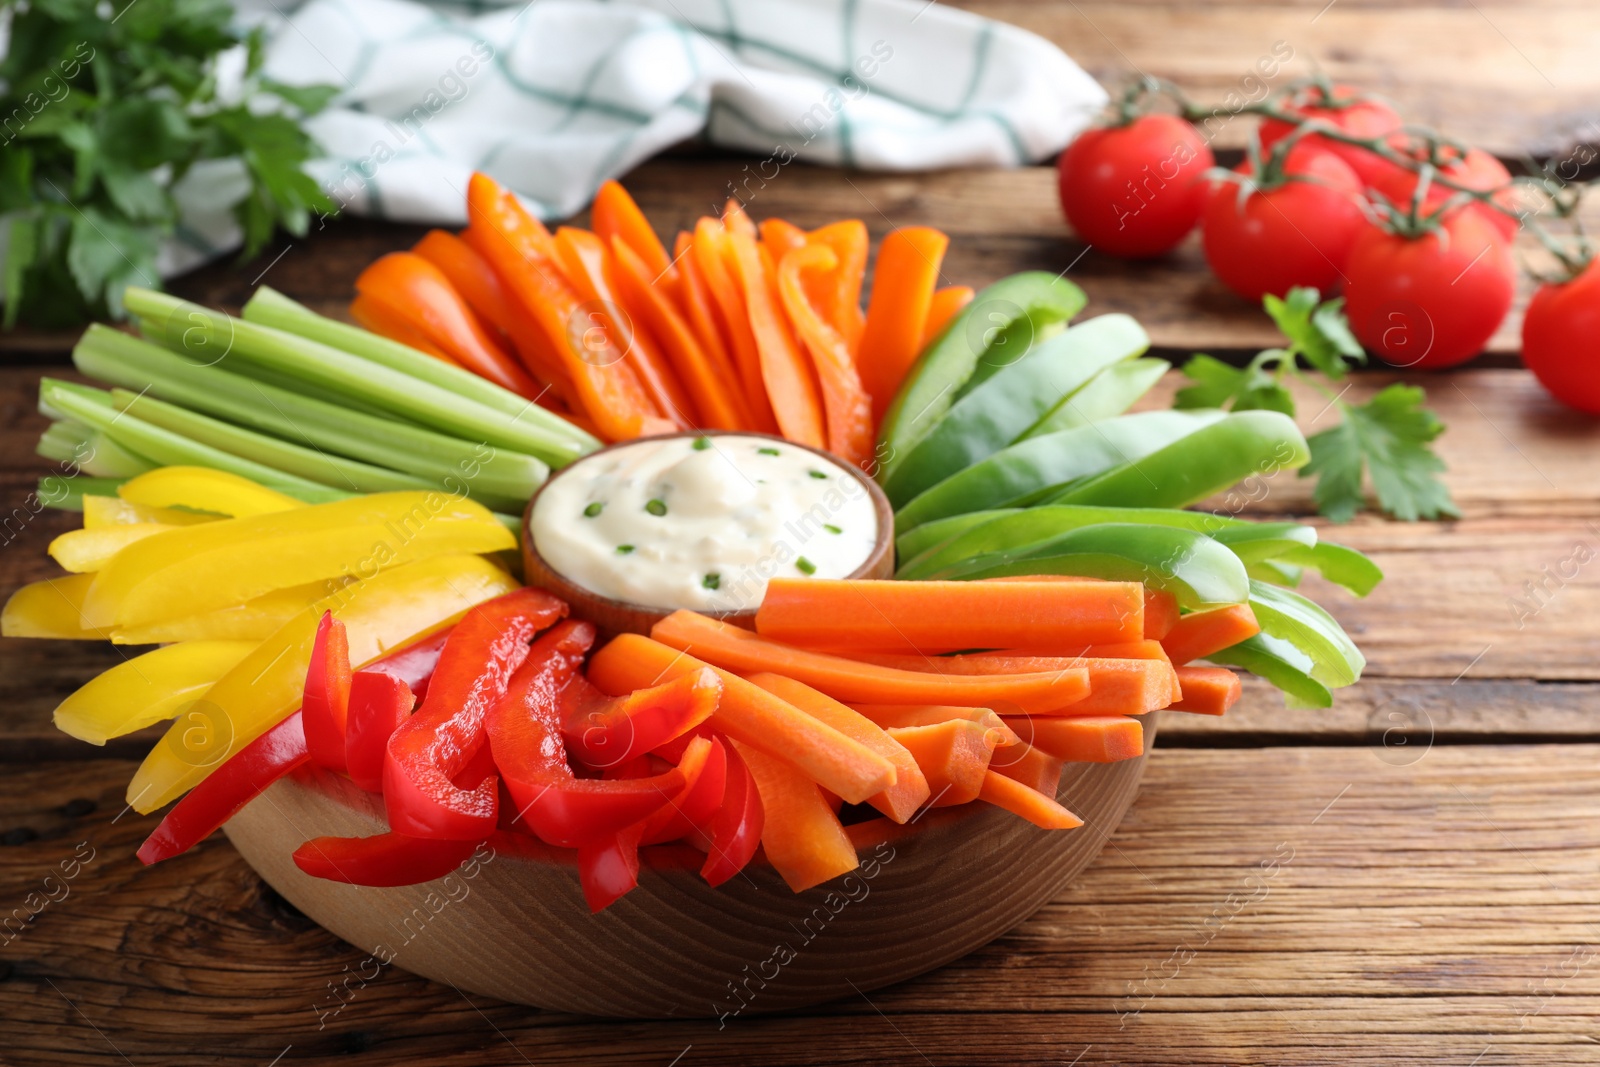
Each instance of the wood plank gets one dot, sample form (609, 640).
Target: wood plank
(1501, 75)
(1306, 906)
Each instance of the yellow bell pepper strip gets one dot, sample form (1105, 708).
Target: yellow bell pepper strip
(200, 568)
(398, 606)
(437, 743)
(52, 608)
(103, 511)
(254, 620)
(325, 708)
(86, 551)
(146, 689)
(204, 490)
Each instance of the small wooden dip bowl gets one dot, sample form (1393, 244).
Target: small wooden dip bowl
(613, 616)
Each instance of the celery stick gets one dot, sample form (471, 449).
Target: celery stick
(93, 406)
(67, 491)
(305, 462)
(498, 478)
(534, 431)
(90, 451)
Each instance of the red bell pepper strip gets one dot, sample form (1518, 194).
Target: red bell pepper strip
(379, 703)
(705, 770)
(524, 730)
(413, 664)
(438, 742)
(609, 868)
(603, 731)
(225, 790)
(381, 860)
(325, 705)
(736, 829)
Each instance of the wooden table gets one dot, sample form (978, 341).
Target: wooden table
(1408, 877)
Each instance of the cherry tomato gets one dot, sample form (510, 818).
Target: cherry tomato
(1296, 234)
(1476, 169)
(1561, 339)
(1347, 110)
(1135, 190)
(1430, 301)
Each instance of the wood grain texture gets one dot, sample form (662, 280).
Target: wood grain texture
(1274, 906)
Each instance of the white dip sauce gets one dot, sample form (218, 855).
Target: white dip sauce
(702, 522)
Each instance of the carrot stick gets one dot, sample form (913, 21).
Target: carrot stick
(615, 216)
(378, 317)
(711, 261)
(786, 374)
(1207, 690)
(1096, 739)
(847, 407)
(781, 237)
(929, 617)
(902, 289)
(520, 249)
(953, 756)
(418, 290)
(848, 239)
(1032, 805)
(739, 650)
(1160, 606)
(1033, 767)
(716, 406)
(1144, 649)
(694, 297)
(901, 800)
(587, 262)
(945, 305)
(1116, 686)
(752, 715)
(1198, 635)
(801, 835)
(887, 715)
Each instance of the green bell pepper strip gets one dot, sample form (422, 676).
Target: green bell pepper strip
(1275, 572)
(1339, 564)
(1209, 460)
(1288, 616)
(1198, 571)
(1109, 394)
(930, 535)
(1280, 663)
(1002, 409)
(1022, 473)
(1007, 316)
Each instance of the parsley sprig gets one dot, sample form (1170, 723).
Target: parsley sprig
(1387, 440)
(101, 116)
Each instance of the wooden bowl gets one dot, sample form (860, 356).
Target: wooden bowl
(612, 616)
(516, 927)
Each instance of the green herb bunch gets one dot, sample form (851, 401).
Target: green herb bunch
(104, 105)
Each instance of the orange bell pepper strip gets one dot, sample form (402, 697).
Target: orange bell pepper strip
(848, 239)
(946, 304)
(522, 252)
(902, 289)
(781, 237)
(420, 290)
(700, 311)
(379, 317)
(1198, 635)
(845, 403)
(736, 220)
(587, 262)
(786, 374)
(953, 756)
(801, 835)
(716, 405)
(615, 216)
(910, 789)
(1030, 804)
(713, 261)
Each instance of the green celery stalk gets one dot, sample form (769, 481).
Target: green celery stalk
(66, 492)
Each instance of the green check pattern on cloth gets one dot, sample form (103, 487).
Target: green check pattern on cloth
(555, 96)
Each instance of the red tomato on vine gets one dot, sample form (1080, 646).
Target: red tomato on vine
(1475, 169)
(1347, 109)
(1295, 229)
(1135, 190)
(1432, 300)
(1561, 339)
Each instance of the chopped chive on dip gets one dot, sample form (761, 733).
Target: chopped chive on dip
(768, 451)
(593, 509)
(623, 550)
(712, 581)
(831, 528)
(805, 566)
(656, 506)
(701, 444)
(816, 474)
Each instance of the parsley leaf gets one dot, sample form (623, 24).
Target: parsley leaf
(1388, 437)
(1244, 388)
(1316, 330)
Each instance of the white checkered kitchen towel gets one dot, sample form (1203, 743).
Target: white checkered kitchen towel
(554, 96)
